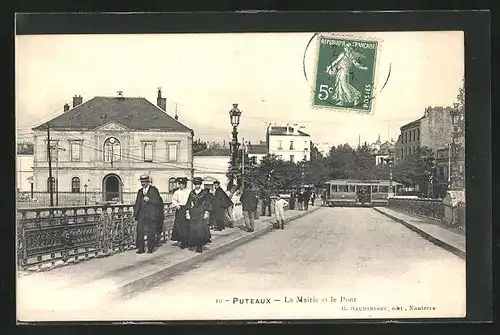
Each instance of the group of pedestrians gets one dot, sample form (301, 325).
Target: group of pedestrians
(197, 211)
(301, 198)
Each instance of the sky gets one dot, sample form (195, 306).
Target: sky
(202, 75)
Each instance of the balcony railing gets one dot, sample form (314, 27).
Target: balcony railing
(62, 234)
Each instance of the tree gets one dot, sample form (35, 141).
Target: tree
(25, 148)
(198, 146)
(414, 170)
(341, 161)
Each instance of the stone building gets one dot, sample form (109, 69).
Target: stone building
(433, 130)
(102, 146)
(385, 150)
(212, 164)
(288, 143)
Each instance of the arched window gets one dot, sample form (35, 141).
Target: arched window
(51, 184)
(75, 185)
(172, 184)
(112, 150)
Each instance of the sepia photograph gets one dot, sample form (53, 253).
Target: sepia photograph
(240, 176)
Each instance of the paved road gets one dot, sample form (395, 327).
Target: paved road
(354, 255)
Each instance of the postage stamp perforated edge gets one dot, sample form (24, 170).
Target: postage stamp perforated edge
(376, 73)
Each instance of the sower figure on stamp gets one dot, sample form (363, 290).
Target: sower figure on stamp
(198, 214)
(220, 206)
(249, 206)
(179, 200)
(147, 214)
(279, 209)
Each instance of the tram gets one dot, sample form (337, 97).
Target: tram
(348, 192)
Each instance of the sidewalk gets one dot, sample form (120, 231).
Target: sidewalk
(126, 273)
(429, 229)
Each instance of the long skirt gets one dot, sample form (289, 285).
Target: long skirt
(199, 233)
(180, 230)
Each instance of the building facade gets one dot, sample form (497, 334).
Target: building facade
(433, 130)
(257, 151)
(212, 164)
(103, 145)
(386, 150)
(24, 172)
(288, 143)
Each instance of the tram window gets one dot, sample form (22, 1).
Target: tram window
(374, 189)
(384, 189)
(352, 188)
(334, 188)
(343, 188)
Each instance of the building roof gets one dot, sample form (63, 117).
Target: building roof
(214, 151)
(133, 113)
(411, 124)
(283, 131)
(258, 149)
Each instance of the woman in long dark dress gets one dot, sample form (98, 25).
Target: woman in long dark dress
(198, 214)
(179, 200)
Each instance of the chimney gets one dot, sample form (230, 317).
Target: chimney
(176, 117)
(77, 100)
(66, 108)
(160, 101)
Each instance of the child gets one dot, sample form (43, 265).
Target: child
(279, 208)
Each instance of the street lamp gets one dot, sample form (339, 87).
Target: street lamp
(234, 117)
(390, 162)
(85, 193)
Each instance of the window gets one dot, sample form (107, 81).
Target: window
(280, 157)
(172, 149)
(306, 145)
(75, 148)
(51, 184)
(291, 145)
(75, 185)
(292, 158)
(112, 150)
(148, 151)
(172, 184)
(342, 188)
(374, 189)
(352, 188)
(280, 145)
(305, 157)
(383, 189)
(418, 134)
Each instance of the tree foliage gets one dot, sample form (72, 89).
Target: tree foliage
(25, 148)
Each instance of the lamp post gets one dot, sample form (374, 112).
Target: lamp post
(234, 116)
(390, 163)
(85, 193)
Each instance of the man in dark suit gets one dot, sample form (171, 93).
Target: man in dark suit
(249, 206)
(147, 214)
(221, 202)
(266, 202)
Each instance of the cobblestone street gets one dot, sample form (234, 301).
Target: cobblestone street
(355, 255)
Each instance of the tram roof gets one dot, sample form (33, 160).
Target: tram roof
(362, 182)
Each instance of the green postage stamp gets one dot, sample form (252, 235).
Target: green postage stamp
(345, 74)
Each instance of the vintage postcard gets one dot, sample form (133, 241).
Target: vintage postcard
(255, 176)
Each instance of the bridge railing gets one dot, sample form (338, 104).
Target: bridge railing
(430, 208)
(50, 235)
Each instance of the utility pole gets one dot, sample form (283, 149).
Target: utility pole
(49, 154)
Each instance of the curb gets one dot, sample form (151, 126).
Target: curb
(448, 247)
(141, 284)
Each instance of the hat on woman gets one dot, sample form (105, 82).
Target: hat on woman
(197, 181)
(182, 181)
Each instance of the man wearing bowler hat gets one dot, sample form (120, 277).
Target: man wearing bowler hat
(147, 212)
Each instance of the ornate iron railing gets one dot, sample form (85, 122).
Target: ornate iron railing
(430, 208)
(53, 235)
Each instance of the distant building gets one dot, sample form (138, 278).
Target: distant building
(433, 130)
(106, 143)
(257, 151)
(288, 143)
(212, 164)
(24, 172)
(385, 150)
